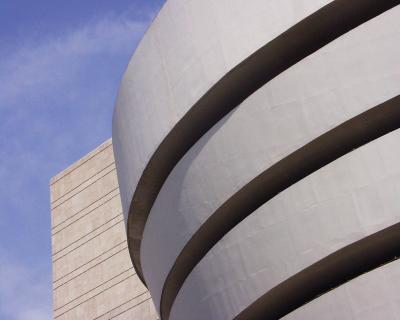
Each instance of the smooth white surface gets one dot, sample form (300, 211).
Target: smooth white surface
(188, 48)
(347, 77)
(372, 296)
(343, 202)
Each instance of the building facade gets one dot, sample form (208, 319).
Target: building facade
(257, 155)
(93, 277)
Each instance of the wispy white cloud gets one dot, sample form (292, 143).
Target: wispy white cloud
(58, 89)
(36, 68)
(56, 101)
(23, 292)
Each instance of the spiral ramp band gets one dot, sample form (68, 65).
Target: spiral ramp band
(223, 145)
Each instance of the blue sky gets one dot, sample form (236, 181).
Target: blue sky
(61, 63)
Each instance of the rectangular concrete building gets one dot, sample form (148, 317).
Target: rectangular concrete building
(93, 276)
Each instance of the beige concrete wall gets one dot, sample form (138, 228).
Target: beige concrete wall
(93, 277)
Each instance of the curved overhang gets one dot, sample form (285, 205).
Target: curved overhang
(330, 272)
(352, 134)
(293, 45)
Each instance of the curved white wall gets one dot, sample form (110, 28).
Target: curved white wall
(341, 203)
(188, 48)
(374, 295)
(331, 86)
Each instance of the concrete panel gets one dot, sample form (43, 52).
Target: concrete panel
(107, 300)
(85, 183)
(94, 220)
(89, 250)
(93, 207)
(80, 270)
(78, 202)
(141, 311)
(116, 268)
(88, 294)
(87, 237)
(84, 169)
(93, 276)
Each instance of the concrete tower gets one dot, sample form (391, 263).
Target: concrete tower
(93, 277)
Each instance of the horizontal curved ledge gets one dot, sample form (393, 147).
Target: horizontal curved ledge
(328, 147)
(296, 43)
(328, 273)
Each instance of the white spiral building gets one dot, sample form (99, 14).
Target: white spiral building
(258, 156)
